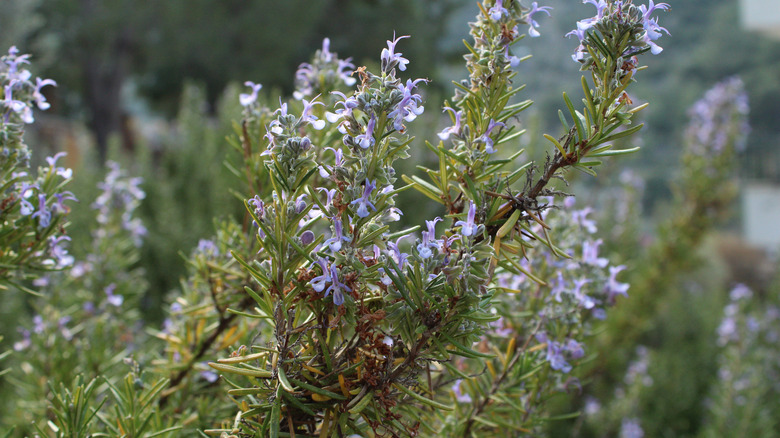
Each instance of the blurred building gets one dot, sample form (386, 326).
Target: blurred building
(761, 200)
(762, 16)
(761, 214)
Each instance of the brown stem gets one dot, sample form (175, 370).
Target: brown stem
(224, 324)
(497, 383)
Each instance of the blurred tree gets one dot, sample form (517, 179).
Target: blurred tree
(18, 21)
(102, 44)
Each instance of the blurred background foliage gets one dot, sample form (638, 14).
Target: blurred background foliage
(154, 85)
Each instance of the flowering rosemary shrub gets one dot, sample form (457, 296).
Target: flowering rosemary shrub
(716, 133)
(32, 208)
(369, 327)
(744, 397)
(87, 320)
(322, 315)
(665, 312)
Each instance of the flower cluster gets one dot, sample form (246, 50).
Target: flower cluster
(324, 74)
(32, 208)
(120, 197)
(616, 17)
(719, 119)
(19, 92)
(745, 395)
(579, 288)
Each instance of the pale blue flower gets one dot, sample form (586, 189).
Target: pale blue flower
(390, 59)
(485, 138)
(336, 287)
(364, 201)
(590, 254)
(428, 239)
(460, 396)
(409, 107)
(43, 214)
(39, 98)
(452, 130)
(366, 140)
(334, 243)
(498, 10)
(248, 99)
(310, 118)
(318, 283)
(113, 299)
(556, 358)
(614, 287)
(468, 227)
(533, 25)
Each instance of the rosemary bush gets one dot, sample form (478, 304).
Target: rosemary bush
(317, 315)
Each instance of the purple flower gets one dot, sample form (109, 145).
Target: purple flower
(599, 313)
(59, 205)
(38, 325)
(259, 206)
(428, 239)
(556, 358)
(559, 287)
(513, 60)
(300, 204)
(336, 286)
(614, 287)
(485, 138)
(364, 202)
(58, 253)
(334, 243)
(498, 11)
(326, 170)
(39, 98)
(575, 349)
(395, 252)
(740, 292)
(25, 342)
(499, 328)
(209, 376)
(329, 194)
(207, 248)
(13, 61)
(584, 300)
(310, 118)
(532, 23)
(17, 106)
(318, 283)
(390, 59)
(590, 254)
(409, 107)
(727, 331)
(630, 428)
(348, 104)
(43, 214)
(248, 99)
(459, 395)
(366, 140)
(469, 228)
(652, 30)
(580, 217)
(25, 208)
(452, 130)
(114, 300)
(64, 331)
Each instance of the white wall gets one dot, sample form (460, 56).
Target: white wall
(761, 215)
(761, 15)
